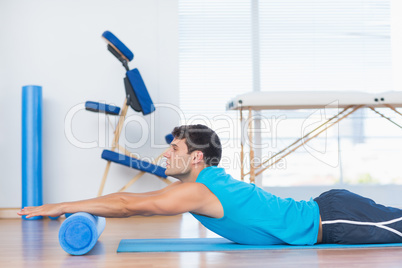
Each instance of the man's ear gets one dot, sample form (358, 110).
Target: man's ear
(197, 157)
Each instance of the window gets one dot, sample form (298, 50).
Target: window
(233, 47)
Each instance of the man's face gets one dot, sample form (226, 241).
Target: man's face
(178, 161)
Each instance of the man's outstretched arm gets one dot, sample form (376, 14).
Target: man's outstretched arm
(175, 199)
(111, 205)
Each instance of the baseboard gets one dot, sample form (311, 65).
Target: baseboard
(9, 213)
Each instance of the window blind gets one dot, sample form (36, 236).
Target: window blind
(303, 45)
(214, 54)
(292, 44)
(325, 45)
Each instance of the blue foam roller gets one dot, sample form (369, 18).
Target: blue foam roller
(79, 233)
(31, 160)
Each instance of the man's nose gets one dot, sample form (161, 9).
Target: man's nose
(166, 154)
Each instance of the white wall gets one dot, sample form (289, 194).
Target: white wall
(58, 45)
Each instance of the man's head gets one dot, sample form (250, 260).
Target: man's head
(193, 146)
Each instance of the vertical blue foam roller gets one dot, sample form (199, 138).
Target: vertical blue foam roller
(31, 147)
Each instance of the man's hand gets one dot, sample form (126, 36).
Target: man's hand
(52, 210)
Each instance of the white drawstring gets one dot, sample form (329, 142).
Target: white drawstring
(377, 224)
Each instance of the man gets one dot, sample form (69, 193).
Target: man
(241, 211)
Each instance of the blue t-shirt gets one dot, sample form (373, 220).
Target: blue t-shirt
(254, 216)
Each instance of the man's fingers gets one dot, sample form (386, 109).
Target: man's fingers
(45, 210)
(29, 212)
(22, 212)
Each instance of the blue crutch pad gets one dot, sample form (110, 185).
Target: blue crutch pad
(79, 233)
(138, 93)
(118, 45)
(134, 163)
(102, 108)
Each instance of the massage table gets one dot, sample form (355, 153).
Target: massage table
(347, 101)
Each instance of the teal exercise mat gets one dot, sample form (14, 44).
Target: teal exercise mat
(217, 244)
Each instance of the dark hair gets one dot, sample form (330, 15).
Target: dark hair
(201, 138)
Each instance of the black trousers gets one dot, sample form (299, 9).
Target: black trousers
(348, 218)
